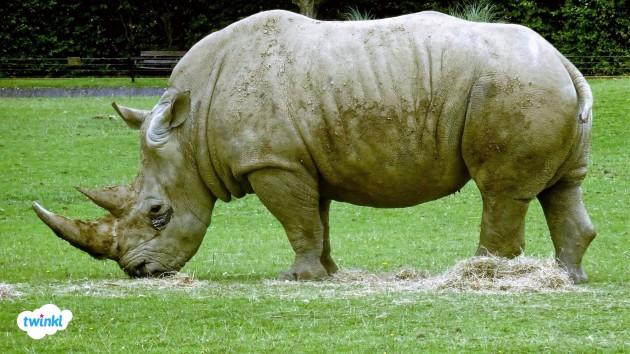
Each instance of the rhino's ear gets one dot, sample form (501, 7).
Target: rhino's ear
(133, 117)
(172, 111)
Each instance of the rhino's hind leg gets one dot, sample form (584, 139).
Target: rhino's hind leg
(326, 258)
(502, 226)
(570, 226)
(293, 198)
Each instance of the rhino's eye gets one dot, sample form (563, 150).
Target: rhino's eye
(160, 216)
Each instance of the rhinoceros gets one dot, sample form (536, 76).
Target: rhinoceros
(385, 113)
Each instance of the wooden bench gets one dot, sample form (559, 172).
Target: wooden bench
(155, 61)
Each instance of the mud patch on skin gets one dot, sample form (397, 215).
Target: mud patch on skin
(9, 291)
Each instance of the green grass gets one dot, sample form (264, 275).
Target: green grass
(48, 145)
(353, 13)
(477, 11)
(84, 82)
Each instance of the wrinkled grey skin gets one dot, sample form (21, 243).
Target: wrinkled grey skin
(385, 113)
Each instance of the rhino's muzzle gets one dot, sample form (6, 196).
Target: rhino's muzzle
(148, 270)
(143, 262)
(93, 237)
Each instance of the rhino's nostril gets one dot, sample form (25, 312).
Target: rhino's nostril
(138, 270)
(142, 268)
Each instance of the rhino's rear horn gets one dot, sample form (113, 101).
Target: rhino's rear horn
(133, 117)
(113, 199)
(92, 237)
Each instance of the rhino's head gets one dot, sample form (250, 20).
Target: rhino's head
(158, 222)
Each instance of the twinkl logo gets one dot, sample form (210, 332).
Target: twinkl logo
(46, 320)
(42, 321)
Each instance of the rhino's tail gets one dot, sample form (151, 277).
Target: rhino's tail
(585, 97)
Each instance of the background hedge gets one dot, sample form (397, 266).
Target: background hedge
(122, 28)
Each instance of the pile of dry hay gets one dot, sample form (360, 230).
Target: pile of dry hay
(495, 274)
(482, 275)
(476, 274)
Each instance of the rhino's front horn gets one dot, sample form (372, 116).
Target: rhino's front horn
(113, 199)
(93, 237)
(133, 117)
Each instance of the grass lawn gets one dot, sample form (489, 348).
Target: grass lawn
(48, 145)
(84, 82)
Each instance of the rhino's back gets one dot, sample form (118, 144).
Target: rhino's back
(375, 108)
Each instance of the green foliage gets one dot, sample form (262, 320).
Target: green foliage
(581, 29)
(61, 28)
(535, 14)
(477, 11)
(354, 14)
(334, 10)
(596, 28)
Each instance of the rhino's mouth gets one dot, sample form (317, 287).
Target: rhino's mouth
(154, 264)
(148, 269)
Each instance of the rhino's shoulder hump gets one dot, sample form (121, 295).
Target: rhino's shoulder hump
(278, 14)
(268, 21)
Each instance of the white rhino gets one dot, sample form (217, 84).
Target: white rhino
(386, 113)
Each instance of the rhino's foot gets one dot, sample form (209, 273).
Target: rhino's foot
(305, 271)
(576, 273)
(330, 265)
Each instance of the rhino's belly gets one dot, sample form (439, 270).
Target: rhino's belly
(392, 180)
(389, 197)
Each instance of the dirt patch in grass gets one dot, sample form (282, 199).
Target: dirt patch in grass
(9, 291)
(126, 287)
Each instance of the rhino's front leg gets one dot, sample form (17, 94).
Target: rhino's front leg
(293, 198)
